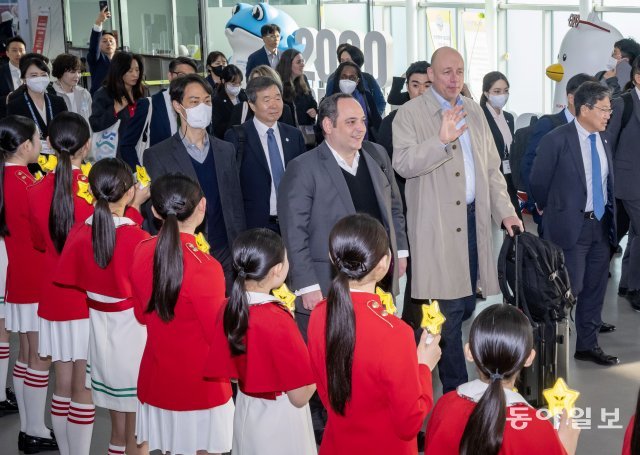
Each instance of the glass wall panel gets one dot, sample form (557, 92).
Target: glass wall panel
(626, 23)
(149, 26)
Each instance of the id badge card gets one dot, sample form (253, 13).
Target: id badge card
(46, 149)
(506, 167)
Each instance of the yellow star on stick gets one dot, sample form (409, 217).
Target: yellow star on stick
(84, 193)
(560, 397)
(432, 318)
(38, 175)
(202, 243)
(142, 176)
(86, 167)
(387, 300)
(47, 162)
(285, 296)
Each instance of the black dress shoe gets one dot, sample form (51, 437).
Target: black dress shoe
(22, 436)
(606, 328)
(35, 444)
(598, 356)
(8, 407)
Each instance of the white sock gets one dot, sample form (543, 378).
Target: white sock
(80, 427)
(4, 368)
(35, 400)
(116, 450)
(59, 412)
(19, 372)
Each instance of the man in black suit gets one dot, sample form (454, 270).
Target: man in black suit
(572, 183)
(268, 54)
(10, 71)
(207, 160)
(266, 148)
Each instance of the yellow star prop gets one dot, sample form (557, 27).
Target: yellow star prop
(560, 397)
(38, 175)
(387, 300)
(84, 193)
(47, 162)
(142, 176)
(202, 243)
(432, 318)
(86, 167)
(285, 296)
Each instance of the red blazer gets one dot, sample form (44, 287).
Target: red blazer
(77, 267)
(24, 272)
(391, 393)
(173, 360)
(626, 446)
(276, 359)
(452, 412)
(56, 303)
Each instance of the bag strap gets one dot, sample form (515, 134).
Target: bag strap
(507, 246)
(242, 138)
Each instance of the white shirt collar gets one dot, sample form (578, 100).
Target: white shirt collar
(262, 128)
(257, 298)
(353, 169)
(638, 92)
(569, 116)
(14, 69)
(475, 389)
(275, 52)
(118, 220)
(582, 133)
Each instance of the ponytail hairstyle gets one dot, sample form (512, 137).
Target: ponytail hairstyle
(500, 340)
(14, 131)
(254, 253)
(635, 432)
(174, 198)
(68, 133)
(109, 179)
(357, 243)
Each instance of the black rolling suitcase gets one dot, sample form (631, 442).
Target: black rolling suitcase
(533, 277)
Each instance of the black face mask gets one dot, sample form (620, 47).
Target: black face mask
(217, 70)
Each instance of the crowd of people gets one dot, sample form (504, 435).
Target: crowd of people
(167, 302)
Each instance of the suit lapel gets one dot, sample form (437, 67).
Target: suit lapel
(636, 103)
(335, 173)
(253, 139)
(576, 153)
(6, 75)
(609, 153)
(182, 158)
(289, 148)
(374, 171)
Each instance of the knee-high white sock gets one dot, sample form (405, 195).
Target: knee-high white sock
(4, 368)
(35, 400)
(116, 450)
(19, 372)
(59, 412)
(80, 427)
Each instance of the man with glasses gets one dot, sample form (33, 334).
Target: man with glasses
(268, 54)
(572, 183)
(164, 121)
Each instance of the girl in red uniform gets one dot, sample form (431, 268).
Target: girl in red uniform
(97, 260)
(486, 416)
(19, 146)
(64, 317)
(631, 444)
(257, 341)
(376, 390)
(178, 290)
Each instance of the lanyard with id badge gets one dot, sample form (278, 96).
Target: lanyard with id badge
(506, 166)
(46, 149)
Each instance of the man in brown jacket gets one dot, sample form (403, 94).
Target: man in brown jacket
(444, 148)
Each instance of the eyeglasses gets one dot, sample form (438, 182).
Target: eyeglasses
(179, 73)
(602, 109)
(272, 36)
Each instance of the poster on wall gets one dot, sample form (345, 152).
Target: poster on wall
(477, 50)
(440, 28)
(41, 30)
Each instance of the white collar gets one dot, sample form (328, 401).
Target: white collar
(263, 129)
(14, 69)
(275, 52)
(568, 115)
(118, 220)
(341, 160)
(257, 298)
(493, 111)
(638, 92)
(475, 389)
(583, 133)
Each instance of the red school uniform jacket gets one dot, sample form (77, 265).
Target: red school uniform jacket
(626, 446)
(78, 268)
(56, 303)
(391, 393)
(24, 272)
(173, 360)
(276, 358)
(452, 412)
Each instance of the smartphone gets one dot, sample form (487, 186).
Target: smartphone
(104, 4)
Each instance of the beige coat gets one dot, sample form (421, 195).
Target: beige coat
(435, 193)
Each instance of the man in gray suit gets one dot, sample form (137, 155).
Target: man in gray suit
(207, 160)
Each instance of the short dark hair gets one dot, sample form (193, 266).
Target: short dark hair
(269, 29)
(15, 39)
(104, 32)
(419, 67)
(229, 73)
(40, 61)
(213, 56)
(258, 84)
(577, 80)
(629, 48)
(329, 108)
(356, 54)
(63, 63)
(179, 85)
(182, 61)
(588, 94)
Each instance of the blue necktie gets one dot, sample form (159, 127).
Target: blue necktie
(596, 180)
(277, 168)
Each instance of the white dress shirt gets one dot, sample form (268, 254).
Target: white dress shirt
(585, 149)
(173, 122)
(262, 134)
(274, 57)
(15, 75)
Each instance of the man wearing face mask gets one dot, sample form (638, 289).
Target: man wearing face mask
(207, 160)
(618, 67)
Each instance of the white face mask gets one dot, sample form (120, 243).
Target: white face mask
(498, 101)
(232, 90)
(38, 84)
(347, 86)
(199, 116)
(611, 64)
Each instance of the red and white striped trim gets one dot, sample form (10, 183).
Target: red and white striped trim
(81, 414)
(20, 370)
(4, 351)
(60, 406)
(116, 450)
(36, 378)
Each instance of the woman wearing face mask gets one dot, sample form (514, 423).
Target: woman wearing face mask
(228, 93)
(66, 69)
(350, 82)
(495, 94)
(34, 102)
(216, 62)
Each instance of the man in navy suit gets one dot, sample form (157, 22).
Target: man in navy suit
(164, 120)
(266, 148)
(10, 71)
(572, 183)
(268, 54)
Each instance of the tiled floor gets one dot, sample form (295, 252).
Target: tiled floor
(601, 388)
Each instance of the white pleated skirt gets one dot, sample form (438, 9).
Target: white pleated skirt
(116, 343)
(64, 341)
(272, 427)
(22, 317)
(186, 432)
